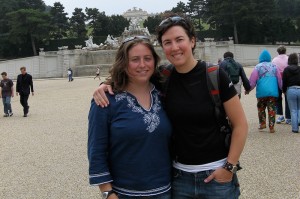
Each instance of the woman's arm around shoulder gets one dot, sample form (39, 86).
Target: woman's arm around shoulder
(100, 95)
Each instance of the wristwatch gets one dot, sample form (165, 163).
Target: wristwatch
(106, 194)
(230, 167)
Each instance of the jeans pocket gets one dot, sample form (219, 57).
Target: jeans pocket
(176, 173)
(208, 173)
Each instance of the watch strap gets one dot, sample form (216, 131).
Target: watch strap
(107, 193)
(230, 167)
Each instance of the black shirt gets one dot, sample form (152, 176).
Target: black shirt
(290, 77)
(24, 84)
(197, 139)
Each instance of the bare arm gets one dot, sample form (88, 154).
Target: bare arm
(236, 115)
(12, 91)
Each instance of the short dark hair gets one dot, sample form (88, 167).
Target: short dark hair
(181, 21)
(4, 73)
(23, 68)
(228, 54)
(281, 50)
(293, 59)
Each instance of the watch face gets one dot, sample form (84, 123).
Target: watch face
(234, 169)
(104, 195)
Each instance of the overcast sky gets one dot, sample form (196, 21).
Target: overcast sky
(117, 6)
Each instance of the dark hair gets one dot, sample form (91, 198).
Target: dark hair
(184, 22)
(118, 72)
(23, 68)
(4, 73)
(293, 59)
(281, 50)
(228, 54)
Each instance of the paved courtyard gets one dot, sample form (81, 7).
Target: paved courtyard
(44, 156)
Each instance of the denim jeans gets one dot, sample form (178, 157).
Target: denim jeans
(293, 96)
(6, 104)
(279, 109)
(166, 195)
(192, 186)
(70, 78)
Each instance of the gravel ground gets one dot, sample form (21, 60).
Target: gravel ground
(44, 155)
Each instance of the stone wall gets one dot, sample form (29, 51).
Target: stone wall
(84, 62)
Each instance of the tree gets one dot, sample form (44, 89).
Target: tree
(28, 24)
(180, 8)
(152, 23)
(32, 4)
(77, 23)
(92, 15)
(59, 21)
(117, 24)
(101, 24)
(196, 9)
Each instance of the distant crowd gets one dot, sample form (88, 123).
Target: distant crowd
(272, 78)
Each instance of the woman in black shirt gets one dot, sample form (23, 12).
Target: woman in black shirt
(291, 86)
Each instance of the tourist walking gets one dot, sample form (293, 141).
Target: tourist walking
(203, 166)
(267, 79)
(235, 73)
(291, 87)
(24, 85)
(70, 74)
(97, 73)
(128, 142)
(281, 62)
(6, 93)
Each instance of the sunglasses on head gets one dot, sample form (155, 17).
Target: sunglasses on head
(173, 19)
(134, 38)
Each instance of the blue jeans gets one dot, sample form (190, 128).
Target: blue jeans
(279, 109)
(166, 195)
(192, 186)
(6, 104)
(293, 97)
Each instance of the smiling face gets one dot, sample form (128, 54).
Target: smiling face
(178, 47)
(141, 64)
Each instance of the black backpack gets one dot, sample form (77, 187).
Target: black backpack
(233, 70)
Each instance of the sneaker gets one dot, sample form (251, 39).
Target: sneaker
(262, 126)
(295, 131)
(5, 115)
(280, 119)
(10, 114)
(288, 121)
(25, 115)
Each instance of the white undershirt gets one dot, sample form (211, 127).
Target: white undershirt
(198, 168)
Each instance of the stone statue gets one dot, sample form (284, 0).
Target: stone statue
(89, 44)
(111, 41)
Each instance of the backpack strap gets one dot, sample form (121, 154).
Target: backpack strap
(212, 76)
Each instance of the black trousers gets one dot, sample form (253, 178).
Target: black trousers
(24, 103)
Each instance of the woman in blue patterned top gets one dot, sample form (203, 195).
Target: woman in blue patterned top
(128, 141)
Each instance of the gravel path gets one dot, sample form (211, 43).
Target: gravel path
(44, 156)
